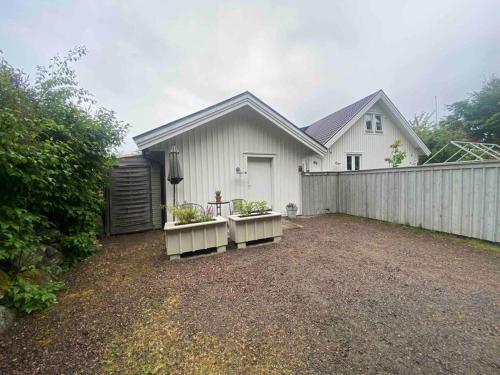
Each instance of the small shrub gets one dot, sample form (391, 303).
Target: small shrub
(397, 155)
(28, 297)
(78, 246)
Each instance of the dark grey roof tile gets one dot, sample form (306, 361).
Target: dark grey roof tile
(323, 130)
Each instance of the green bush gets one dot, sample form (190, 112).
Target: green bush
(56, 149)
(28, 297)
(79, 246)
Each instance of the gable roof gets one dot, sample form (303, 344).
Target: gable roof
(179, 126)
(330, 128)
(323, 130)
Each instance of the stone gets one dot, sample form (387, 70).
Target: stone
(54, 255)
(6, 318)
(51, 236)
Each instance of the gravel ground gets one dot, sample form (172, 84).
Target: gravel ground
(341, 294)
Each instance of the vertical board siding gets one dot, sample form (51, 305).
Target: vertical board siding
(374, 147)
(462, 199)
(210, 154)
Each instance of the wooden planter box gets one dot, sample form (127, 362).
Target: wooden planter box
(198, 236)
(255, 227)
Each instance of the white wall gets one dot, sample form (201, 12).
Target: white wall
(374, 147)
(210, 154)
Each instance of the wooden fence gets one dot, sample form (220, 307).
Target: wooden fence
(134, 197)
(463, 198)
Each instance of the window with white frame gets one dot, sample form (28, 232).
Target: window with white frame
(373, 122)
(378, 123)
(353, 162)
(369, 122)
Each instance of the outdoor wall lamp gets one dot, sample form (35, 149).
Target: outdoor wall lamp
(239, 171)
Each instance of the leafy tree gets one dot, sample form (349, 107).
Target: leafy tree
(435, 136)
(475, 119)
(397, 155)
(479, 115)
(55, 153)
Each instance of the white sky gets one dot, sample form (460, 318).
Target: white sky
(155, 61)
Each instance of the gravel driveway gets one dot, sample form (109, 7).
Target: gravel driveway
(340, 294)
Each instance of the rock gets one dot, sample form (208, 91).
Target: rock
(54, 255)
(51, 236)
(6, 318)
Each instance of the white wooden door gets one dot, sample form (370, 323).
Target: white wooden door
(260, 182)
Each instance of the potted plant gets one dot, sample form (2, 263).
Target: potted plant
(194, 231)
(254, 221)
(218, 196)
(291, 210)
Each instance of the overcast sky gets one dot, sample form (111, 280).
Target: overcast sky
(154, 61)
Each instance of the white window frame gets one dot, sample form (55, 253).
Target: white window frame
(373, 117)
(381, 122)
(370, 115)
(353, 161)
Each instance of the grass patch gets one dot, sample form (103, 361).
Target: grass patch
(159, 345)
(483, 245)
(472, 242)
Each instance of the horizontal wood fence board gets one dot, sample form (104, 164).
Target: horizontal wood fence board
(134, 196)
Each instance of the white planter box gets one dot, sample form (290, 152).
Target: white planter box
(198, 236)
(258, 227)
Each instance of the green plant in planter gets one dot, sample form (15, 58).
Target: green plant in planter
(185, 215)
(190, 215)
(250, 207)
(244, 208)
(261, 207)
(208, 215)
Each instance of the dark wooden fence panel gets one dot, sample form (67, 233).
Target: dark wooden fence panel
(134, 197)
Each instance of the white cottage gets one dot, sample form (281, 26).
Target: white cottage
(248, 150)
(358, 136)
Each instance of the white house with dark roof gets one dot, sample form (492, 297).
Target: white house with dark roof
(358, 136)
(248, 150)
